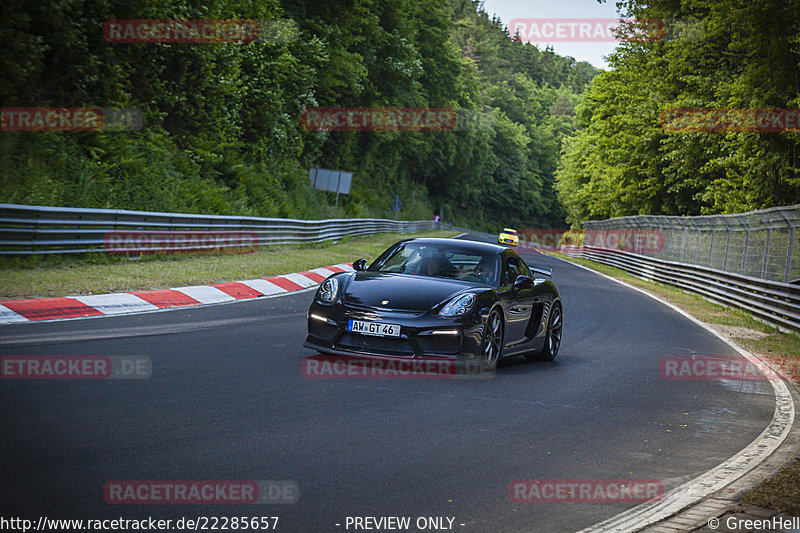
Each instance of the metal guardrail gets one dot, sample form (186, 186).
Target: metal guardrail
(761, 244)
(774, 302)
(26, 230)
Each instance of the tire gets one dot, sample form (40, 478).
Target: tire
(552, 340)
(492, 347)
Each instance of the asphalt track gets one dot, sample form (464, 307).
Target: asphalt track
(227, 401)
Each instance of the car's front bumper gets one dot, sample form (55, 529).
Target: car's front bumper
(422, 335)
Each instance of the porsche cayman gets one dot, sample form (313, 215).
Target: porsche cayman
(439, 298)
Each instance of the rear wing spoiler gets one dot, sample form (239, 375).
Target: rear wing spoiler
(537, 272)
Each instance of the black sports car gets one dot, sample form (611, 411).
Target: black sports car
(441, 298)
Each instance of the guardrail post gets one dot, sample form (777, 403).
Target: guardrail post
(727, 246)
(744, 251)
(35, 246)
(671, 241)
(766, 254)
(789, 255)
(683, 242)
(711, 247)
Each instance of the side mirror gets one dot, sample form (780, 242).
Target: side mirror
(360, 265)
(523, 282)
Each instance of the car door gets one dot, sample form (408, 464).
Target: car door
(518, 301)
(540, 302)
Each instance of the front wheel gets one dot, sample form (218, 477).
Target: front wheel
(492, 341)
(552, 340)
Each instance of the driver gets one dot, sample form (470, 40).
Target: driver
(485, 269)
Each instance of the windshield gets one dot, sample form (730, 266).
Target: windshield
(440, 260)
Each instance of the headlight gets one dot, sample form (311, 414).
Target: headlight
(328, 290)
(460, 305)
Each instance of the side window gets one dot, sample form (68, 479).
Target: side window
(513, 269)
(523, 269)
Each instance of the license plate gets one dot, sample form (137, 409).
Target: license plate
(378, 329)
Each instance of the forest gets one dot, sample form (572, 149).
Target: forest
(729, 55)
(221, 123)
(543, 140)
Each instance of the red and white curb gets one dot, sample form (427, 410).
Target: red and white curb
(14, 311)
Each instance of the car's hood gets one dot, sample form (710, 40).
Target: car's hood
(405, 292)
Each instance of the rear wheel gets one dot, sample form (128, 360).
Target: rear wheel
(492, 341)
(552, 340)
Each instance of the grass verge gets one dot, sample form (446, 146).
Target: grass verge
(35, 277)
(782, 491)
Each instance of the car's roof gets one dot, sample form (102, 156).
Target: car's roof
(469, 245)
(509, 230)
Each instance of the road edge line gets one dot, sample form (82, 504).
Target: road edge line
(698, 489)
